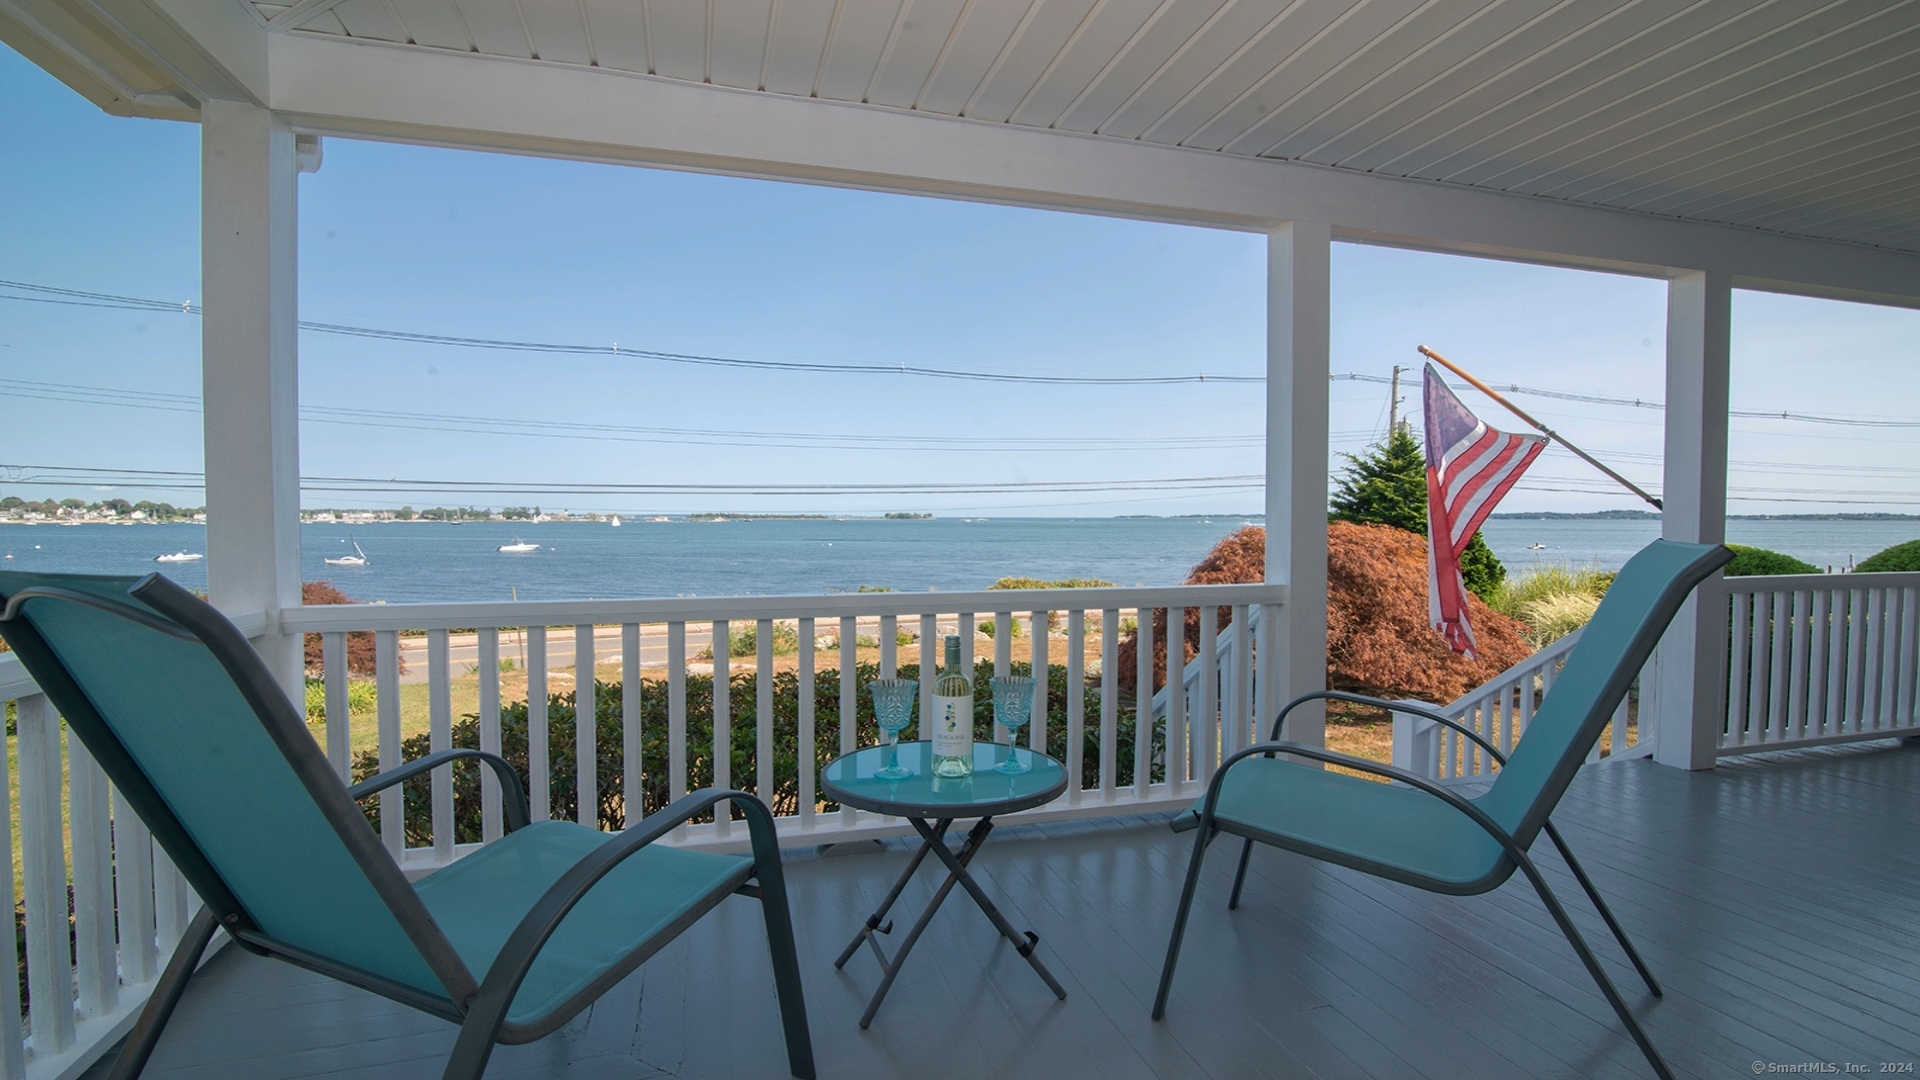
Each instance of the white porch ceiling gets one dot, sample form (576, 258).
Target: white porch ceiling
(1790, 116)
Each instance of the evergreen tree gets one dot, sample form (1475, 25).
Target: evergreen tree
(1387, 485)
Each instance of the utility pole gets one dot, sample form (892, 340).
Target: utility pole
(1393, 403)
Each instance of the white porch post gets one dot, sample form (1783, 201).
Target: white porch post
(1298, 298)
(1691, 663)
(250, 370)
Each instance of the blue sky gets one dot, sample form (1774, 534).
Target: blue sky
(480, 245)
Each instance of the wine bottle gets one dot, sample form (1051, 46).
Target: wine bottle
(952, 718)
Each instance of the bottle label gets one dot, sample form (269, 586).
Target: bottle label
(952, 726)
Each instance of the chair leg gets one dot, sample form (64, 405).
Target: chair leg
(1240, 876)
(1593, 894)
(1201, 838)
(786, 970)
(1593, 968)
(166, 994)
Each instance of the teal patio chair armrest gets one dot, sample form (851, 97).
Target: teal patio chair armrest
(513, 797)
(1394, 706)
(1453, 799)
(516, 957)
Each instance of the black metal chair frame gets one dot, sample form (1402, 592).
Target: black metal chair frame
(1209, 829)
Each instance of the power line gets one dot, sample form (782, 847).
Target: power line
(48, 294)
(559, 429)
(50, 475)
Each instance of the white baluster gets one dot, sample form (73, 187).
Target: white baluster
(1206, 720)
(1178, 738)
(1040, 633)
(44, 870)
(13, 1052)
(133, 881)
(1109, 701)
(393, 806)
(539, 721)
(722, 723)
(1076, 704)
(1798, 631)
(487, 646)
(849, 697)
(1737, 680)
(632, 744)
(333, 669)
(440, 737)
(586, 729)
(1143, 702)
(676, 712)
(809, 761)
(764, 782)
(93, 930)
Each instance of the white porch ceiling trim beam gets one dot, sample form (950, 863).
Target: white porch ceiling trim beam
(464, 100)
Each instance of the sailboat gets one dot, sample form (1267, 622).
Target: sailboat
(519, 547)
(616, 521)
(358, 558)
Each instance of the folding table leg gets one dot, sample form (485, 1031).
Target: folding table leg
(1022, 943)
(873, 921)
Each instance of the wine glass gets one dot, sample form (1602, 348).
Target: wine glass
(1012, 706)
(893, 701)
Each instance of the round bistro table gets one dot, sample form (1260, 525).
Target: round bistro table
(932, 804)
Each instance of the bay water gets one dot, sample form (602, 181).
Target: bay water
(431, 561)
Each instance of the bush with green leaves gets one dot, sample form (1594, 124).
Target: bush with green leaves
(746, 641)
(1387, 485)
(1039, 583)
(1552, 601)
(610, 812)
(1753, 561)
(362, 697)
(988, 627)
(1899, 557)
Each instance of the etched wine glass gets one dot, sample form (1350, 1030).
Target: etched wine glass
(893, 701)
(1012, 707)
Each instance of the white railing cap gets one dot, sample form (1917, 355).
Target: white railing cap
(350, 617)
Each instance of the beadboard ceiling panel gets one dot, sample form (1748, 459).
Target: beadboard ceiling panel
(1795, 116)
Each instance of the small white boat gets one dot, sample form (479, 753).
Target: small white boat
(616, 521)
(179, 556)
(1536, 547)
(519, 547)
(358, 558)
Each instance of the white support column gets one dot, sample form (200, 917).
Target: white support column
(1298, 298)
(1689, 701)
(250, 370)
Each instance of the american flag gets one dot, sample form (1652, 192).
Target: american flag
(1470, 468)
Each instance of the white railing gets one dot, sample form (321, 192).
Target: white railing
(1499, 711)
(1820, 658)
(103, 905)
(1116, 766)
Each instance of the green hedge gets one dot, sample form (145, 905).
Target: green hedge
(1753, 561)
(1899, 557)
(743, 735)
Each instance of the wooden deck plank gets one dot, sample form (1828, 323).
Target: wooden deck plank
(1773, 897)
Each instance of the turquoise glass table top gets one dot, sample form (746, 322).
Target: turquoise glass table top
(850, 779)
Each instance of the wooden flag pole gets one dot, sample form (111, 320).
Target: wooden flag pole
(1543, 429)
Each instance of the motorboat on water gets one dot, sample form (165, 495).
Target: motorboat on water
(1536, 547)
(179, 556)
(519, 547)
(358, 558)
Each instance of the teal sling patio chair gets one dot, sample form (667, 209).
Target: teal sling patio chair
(1431, 836)
(508, 943)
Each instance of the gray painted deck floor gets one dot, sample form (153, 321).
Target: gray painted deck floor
(1774, 897)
